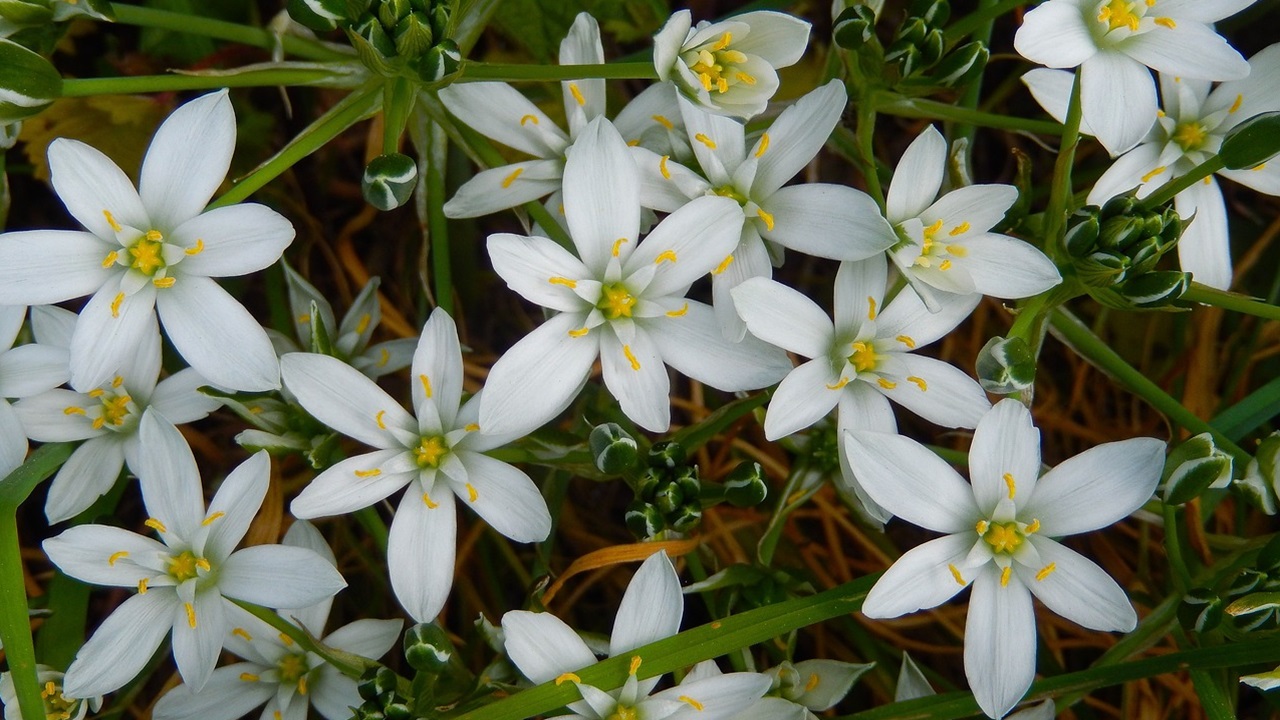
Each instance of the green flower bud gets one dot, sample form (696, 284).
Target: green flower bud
(1083, 228)
(1265, 466)
(931, 48)
(28, 83)
(1006, 366)
(686, 478)
(413, 35)
(854, 27)
(439, 15)
(1201, 610)
(1119, 205)
(319, 15)
(668, 497)
(745, 485)
(1252, 142)
(1120, 232)
(1247, 581)
(1193, 467)
(389, 181)
(907, 56)
(643, 520)
(962, 65)
(373, 45)
(390, 12)
(377, 684)
(614, 450)
(1102, 269)
(427, 648)
(439, 62)
(1156, 289)
(667, 454)
(910, 32)
(647, 484)
(686, 518)
(1144, 254)
(934, 13)
(397, 711)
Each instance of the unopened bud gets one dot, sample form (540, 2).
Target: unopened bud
(1201, 610)
(962, 65)
(745, 485)
(1193, 467)
(389, 181)
(413, 35)
(1006, 366)
(614, 450)
(643, 520)
(686, 517)
(1156, 289)
(854, 27)
(668, 497)
(439, 62)
(427, 648)
(667, 454)
(934, 13)
(319, 15)
(28, 83)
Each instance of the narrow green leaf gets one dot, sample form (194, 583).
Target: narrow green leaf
(1250, 413)
(1252, 142)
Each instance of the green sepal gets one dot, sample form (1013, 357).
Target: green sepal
(1252, 142)
(962, 65)
(746, 485)
(30, 83)
(320, 338)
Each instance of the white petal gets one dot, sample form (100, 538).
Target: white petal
(863, 408)
(1165, 49)
(581, 46)
(106, 339)
(668, 41)
(999, 642)
(52, 325)
(170, 482)
(922, 578)
(1202, 11)
(542, 646)
(217, 336)
(718, 142)
(305, 535)
(1004, 442)
(341, 397)
(665, 184)
(1077, 589)
(366, 638)
(1126, 173)
(635, 374)
(917, 177)
(224, 697)
(1004, 267)
(830, 221)
(858, 293)
(778, 38)
(439, 360)
(233, 240)
(505, 187)
(197, 637)
(723, 697)
(1054, 34)
(601, 194)
(938, 392)
(796, 136)
(1052, 89)
(910, 481)
(48, 266)
(529, 265)
(507, 499)
(420, 553)
(87, 475)
(501, 112)
(907, 317)
(90, 185)
(46, 419)
(784, 317)
(1205, 247)
(1264, 178)
(334, 694)
(804, 396)
(91, 554)
(340, 489)
(693, 344)
(385, 357)
(749, 260)
(1260, 92)
(1117, 125)
(651, 608)
(122, 644)
(278, 576)
(979, 207)
(238, 499)
(698, 236)
(912, 683)
(177, 397)
(31, 369)
(538, 377)
(1097, 487)
(187, 160)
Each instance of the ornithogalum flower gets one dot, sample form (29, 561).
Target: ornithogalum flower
(998, 538)
(56, 705)
(153, 249)
(729, 67)
(186, 581)
(944, 242)
(1115, 41)
(546, 649)
(275, 670)
(822, 219)
(438, 454)
(1189, 130)
(621, 301)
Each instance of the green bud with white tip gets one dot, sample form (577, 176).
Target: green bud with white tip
(612, 448)
(389, 181)
(1193, 467)
(28, 83)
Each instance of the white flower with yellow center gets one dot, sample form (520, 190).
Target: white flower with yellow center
(439, 454)
(944, 242)
(729, 67)
(546, 649)
(619, 300)
(1189, 130)
(57, 706)
(152, 250)
(997, 537)
(183, 582)
(1115, 41)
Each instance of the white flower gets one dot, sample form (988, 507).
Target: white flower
(798, 689)
(826, 220)
(438, 454)
(729, 67)
(28, 369)
(153, 249)
(546, 649)
(1115, 41)
(865, 356)
(105, 418)
(945, 243)
(278, 672)
(619, 301)
(1189, 130)
(997, 537)
(913, 684)
(183, 583)
(57, 706)
(653, 120)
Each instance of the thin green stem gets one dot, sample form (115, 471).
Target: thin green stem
(1182, 182)
(1231, 301)
(972, 94)
(476, 71)
(75, 87)
(1173, 549)
(222, 30)
(346, 113)
(397, 102)
(1055, 215)
(865, 134)
(1093, 349)
(437, 223)
(933, 110)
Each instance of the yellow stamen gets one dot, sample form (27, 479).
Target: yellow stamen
(288, 641)
(886, 384)
(156, 525)
(766, 217)
(374, 472)
(203, 564)
(567, 677)
(164, 282)
(506, 181)
(955, 573)
(210, 520)
(153, 236)
(571, 284)
(471, 427)
(111, 220)
(528, 118)
(764, 144)
(1154, 172)
(960, 229)
(1235, 106)
(663, 121)
(304, 318)
(722, 85)
(384, 358)
(635, 665)
(361, 326)
(115, 305)
(426, 384)
(1166, 22)
(724, 265)
(96, 393)
(1033, 527)
(111, 561)
(577, 94)
(195, 249)
(471, 492)
(944, 265)
(812, 683)
(142, 586)
(744, 78)
(678, 313)
(191, 614)
(73, 410)
(665, 256)
(117, 381)
(662, 167)
(426, 499)
(906, 340)
(579, 332)
(919, 381)
(723, 43)
(1253, 169)
(98, 423)
(617, 246)
(705, 79)
(50, 689)
(378, 419)
(242, 633)
(110, 259)
(302, 685)
(248, 677)
(1004, 576)
(691, 702)
(702, 138)
(1046, 571)
(631, 358)
(843, 381)
(871, 308)
(1013, 487)
(981, 527)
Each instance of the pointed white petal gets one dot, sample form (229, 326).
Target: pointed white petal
(439, 360)
(911, 482)
(1004, 442)
(48, 266)
(169, 478)
(313, 617)
(1052, 89)
(938, 392)
(971, 209)
(863, 408)
(724, 697)
(505, 187)
(224, 697)
(830, 221)
(1259, 92)
(542, 646)
(1004, 267)
(688, 244)
(718, 142)
(385, 357)
(1096, 488)
(106, 338)
(635, 374)
(341, 397)
(45, 417)
(217, 336)
(1054, 34)
(366, 638)
(122, 644)
(796, 136)
(278, 576)
(1164, 49)
(52, 325)
(197, 636)
(694, 345)
(651, 608)
(1117, 125)
(507, 499)
(91, 553)
(804, 396)
(912, 683)
(749, 260)
(31, 369)
(421, 581)
(908, 319)
(665, 184)
(187, 160)
(233, 240)
(784, 317)
(90, 185)
(917, 177)
(583, 98)
(1205, 247)
(87, 475)
(778, 38)
(354, 483)
(922, 578)
(238, 500)
(999, 642)
(601, 194)
(668, 41)
(538, 270)
(334, 694)
(1126, 173)
(501, 112)
(859, 293)
(1077, 589)
(177, 397)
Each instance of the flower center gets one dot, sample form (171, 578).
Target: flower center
(185, 566)
(145, 255)
(863, 358)
(623, 713)
(717, 66)
(293, 670)
(1117, 14)
(1190, 136)
(731, 192)
(1004, 537)
(616, 301)
(430, 451)
(56, 705)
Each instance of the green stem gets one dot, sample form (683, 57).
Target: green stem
(1093, 349)
(1173, 549)
(73, 87)
(865, 134)
(346, 663)
(933, 110)
(982, 33)
(346, 113)
(437, 223)
(222, 30)
(973, 22)
(1055, 215)
(1182, 182)
(1231, 301)
(476, 71)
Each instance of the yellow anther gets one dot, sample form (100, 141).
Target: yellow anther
(981, 527)
(156, 525)
(471, 427)
(955, 573)
(363, 325)
(812, 683)
(886, 384)
(665, 256)
(528, 118)
(579, 332)
(871, 308)
(691, 702)
(766, 217)
(1253, 169)
(1154, 172)
(98, 423)
(843, 381)
(117, 381)
(724, 265)
(472, 495)
(1033, 527)
(195, 249)
(662, 167)
(679, 313)
(1046, 571)
(577, 94)
(617, 246)
(944, 265)
(426, 384)
(571, 284)
(744, 78)
(110, 259)
(97, 393)
(919, 381)
(248, 677)
(142, 586)
(384, 358)
(241, 632)
(373, 472)
(203, 564)
(50, 689)
(277, 716)
(426, 500)
(957, 250)
(763, 145)
(567, 677)
(115, 305)
(73, 410)
(1235, 106)
(191, 614)
(1151, 3)
(111, 220)
(1009, 483)
(702, 138)
(722, 85)
(378, 419)
(304, 318)
(631, 358)
(117, 556)
(1005, 575)
(1166, 22)
(153, 236)
(635, 665)
(506, 181)
(663, 121)
(288, 641)
(906, 340)
(705, 79)
(212, 517)
(960, 229)
(302, 685)
(164, 282)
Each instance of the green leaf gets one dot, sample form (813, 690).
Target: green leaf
(1252, 142)
(1250, 413)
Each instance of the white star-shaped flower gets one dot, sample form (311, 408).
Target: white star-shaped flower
(183, 582)
(998, 537)
(57, 706)
(152, 250)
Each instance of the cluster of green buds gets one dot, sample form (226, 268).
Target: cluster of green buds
(40, 24)
(918, 52)
(382, 698)
(1193, 467)
(668, 493)
(393, 37)
(441, 678)
(1252, 599)
(1115, 248)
